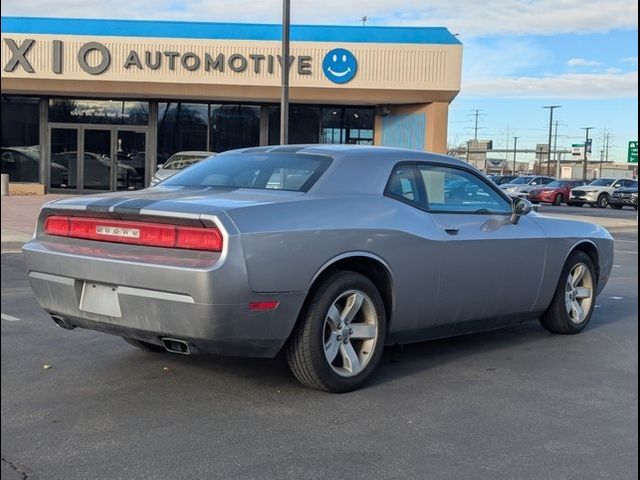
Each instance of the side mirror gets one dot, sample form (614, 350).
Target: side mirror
(159, 166)
(520, 207)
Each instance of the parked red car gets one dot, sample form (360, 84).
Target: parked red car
(556, 192)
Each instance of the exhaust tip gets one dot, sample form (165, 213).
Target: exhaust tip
(175, 345)
(62, 323)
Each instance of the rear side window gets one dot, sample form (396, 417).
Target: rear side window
(273, 171)
(404, 185)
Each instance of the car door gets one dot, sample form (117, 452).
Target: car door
(491, 268)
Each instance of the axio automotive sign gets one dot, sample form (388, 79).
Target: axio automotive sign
(95, 58)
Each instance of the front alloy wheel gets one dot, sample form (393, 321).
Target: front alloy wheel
(340, 335)
(574, 299)
(578, 294)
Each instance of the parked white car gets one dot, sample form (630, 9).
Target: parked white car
(520, 186)
(177, 162)
(598, 193)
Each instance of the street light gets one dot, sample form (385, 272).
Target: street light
(284, 94)
(551, 109)
(515, 151)
(584, 159)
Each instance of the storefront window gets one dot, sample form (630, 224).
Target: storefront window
(181, 127)
(332, 131)
(20, 138)
(311, 124)
(304, 124)
(234, 126)
(358, 125)
(115, 112)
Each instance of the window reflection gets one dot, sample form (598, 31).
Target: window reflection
(234, 126)
(181, 127)
(20, 138)
(313, 124)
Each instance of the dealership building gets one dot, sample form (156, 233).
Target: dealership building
(96, 105)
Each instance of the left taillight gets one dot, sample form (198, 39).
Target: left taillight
(135, 233)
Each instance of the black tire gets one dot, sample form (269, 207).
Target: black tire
(305, 349)
(556, 319)
(615, 207)
(603, 201)
(152, 347)
(558, 200)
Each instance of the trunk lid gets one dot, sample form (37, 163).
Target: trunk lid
(188, 201)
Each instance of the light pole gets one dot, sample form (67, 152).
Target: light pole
(284, 94)
(551, 109)
(584, 158)
(515, 151)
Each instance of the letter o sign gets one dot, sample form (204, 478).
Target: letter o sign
(84, 52)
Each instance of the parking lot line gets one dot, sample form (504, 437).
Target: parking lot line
(9, 318)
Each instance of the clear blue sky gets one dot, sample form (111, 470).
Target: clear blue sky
(519, 54)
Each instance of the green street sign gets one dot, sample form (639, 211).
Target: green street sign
(632, 152)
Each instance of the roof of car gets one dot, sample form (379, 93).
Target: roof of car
(361, 152)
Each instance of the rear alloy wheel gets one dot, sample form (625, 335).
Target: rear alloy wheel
(574, 300)
(558, 200)
(340, 336)
(152, 347)
(603, 201)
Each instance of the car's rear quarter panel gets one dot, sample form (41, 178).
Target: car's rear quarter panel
(287, 246)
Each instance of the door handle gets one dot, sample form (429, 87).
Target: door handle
(451, 230)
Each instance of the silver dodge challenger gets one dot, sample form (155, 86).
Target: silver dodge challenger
(324, 252)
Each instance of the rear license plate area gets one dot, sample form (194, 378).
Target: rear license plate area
(100, 299)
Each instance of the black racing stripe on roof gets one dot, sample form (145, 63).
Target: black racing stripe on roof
(134, 205)
(104, 204)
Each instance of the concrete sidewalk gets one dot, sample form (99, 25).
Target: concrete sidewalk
(19, 214)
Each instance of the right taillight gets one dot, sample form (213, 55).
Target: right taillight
(135, 232)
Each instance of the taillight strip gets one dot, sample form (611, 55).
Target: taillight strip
(135, 233)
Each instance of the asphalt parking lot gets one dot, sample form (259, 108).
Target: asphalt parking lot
(516, 403)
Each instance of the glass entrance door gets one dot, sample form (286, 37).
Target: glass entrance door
(63, 155)
(97, 160)
(130, 159)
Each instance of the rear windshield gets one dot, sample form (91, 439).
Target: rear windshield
(178, 162)
(294, 172)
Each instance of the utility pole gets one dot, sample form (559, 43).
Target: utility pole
(584, 159)
(475, 129)
(515, 151)
(551, 109)
(506, 155)
(284, 95)
(555, 149)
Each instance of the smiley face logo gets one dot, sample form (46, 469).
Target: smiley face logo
(339, 65)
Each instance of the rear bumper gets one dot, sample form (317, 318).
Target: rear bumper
(209, 308)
